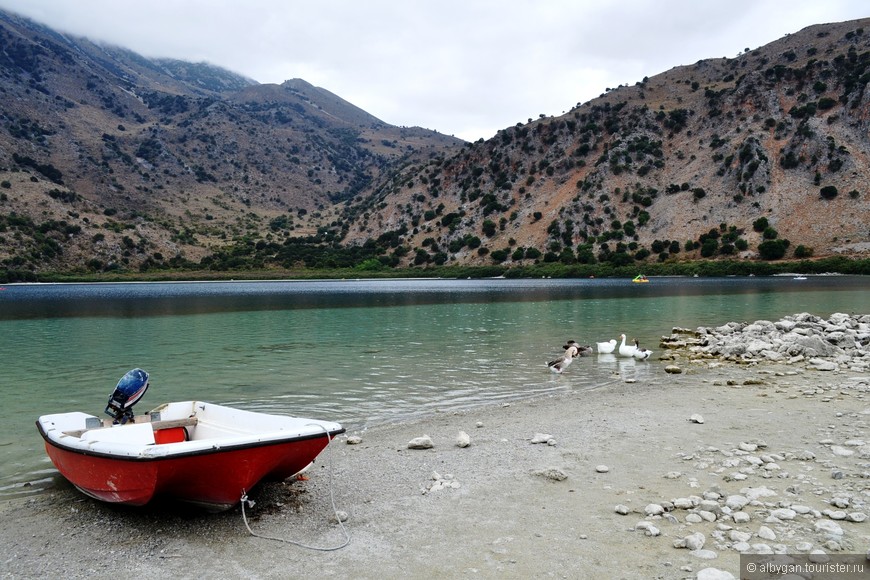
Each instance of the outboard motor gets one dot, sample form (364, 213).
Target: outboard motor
(130, 389)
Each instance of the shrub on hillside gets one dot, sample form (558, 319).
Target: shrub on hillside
(829, 192)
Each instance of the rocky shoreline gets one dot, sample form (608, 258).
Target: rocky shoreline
(783, 524)
(657, 475)
(842, 340)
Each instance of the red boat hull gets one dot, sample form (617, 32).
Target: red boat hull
(215, 479)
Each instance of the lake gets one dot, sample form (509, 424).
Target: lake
(361, 352)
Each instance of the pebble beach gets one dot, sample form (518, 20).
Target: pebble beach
(749, 438)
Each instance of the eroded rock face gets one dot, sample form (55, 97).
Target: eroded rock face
(840, 342)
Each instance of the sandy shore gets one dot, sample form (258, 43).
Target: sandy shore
(500, 507)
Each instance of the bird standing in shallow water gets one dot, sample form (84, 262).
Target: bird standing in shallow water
(606, 347)
(626, 349)
(559, 365)
(640, 353)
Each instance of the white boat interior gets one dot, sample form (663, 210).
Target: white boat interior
(178, 428)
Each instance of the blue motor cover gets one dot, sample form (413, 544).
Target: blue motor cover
(127, 393)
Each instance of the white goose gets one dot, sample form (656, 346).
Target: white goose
(606, 347)
(559, 365)
(626, 349)
(641, 353)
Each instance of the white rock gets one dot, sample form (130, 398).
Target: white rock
(705, 554)
(766, 533)
(754, 493)
(553, 473)
(683, 503)
(654, 509)
(673, 475)
(744, 446)
(714, 574)
(707, 516)
(736, 502)
(354, 440)
(822, 365)
(463, 440)
(842, 451)
(694, 519)
(338, 517)
(541, 438)
(784, 514)
(803, 546)
(602, 468)
(696, 418)
(621, 509)
(857, 517)
(647, 527)
(740, 517)
(691, 542)
(424, 442)
(829, 527)
(835, 514)
(738, 536)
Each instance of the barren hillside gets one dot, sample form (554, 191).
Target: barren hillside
(113, 162)
(696, 153)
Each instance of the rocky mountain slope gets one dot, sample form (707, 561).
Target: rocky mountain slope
(112, 161)
(109, 160)
(762, 155)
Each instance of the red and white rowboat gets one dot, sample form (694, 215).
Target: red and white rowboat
(202, 453)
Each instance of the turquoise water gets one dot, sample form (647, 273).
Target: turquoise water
(358, 352)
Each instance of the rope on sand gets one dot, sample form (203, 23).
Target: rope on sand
(244, 500)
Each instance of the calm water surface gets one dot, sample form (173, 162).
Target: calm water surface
(358, 352)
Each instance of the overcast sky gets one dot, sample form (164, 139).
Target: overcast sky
(462, 67)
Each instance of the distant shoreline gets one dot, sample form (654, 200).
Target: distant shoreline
(706, 268)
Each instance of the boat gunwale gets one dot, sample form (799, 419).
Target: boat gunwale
(214, 449)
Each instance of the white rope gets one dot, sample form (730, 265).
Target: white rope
(244, 500)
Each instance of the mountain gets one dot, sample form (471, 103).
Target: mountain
(113, 161)
(760, 156)
(110, 160)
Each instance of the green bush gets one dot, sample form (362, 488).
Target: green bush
(773, 249)
(760, 224)
(829, 192)
(709, 247)
(802, 252)
(499, 256)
